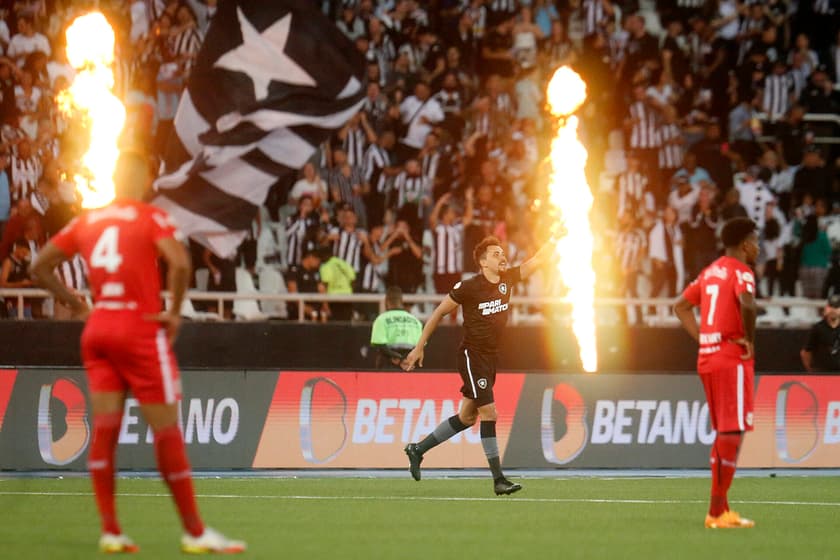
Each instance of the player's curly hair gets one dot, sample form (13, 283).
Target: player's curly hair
(481, 248)
(736, 230)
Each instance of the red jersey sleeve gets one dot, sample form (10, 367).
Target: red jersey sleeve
(692, 292)
(163, 226)
(66, 239)
(744, 282)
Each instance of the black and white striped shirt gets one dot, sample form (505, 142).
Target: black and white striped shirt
(595, 18)
(502, 9)
(377, 159)
(376, 111)
(354, 145)
(503, 104)
(187, 42)
(617, 44)
(670, 154)
(450, 101)
(383, 53)
(777, 89)
(745, 30)
(478, 15)
(154, 9)
(482, 124)
(630, 246)
(72, 273)
(25, 174)
(429, 165)
(823, 7)
(344, 184)
(373, 274)
(411, 189)
(348, 247)
(645, 132)
(449, 252)
(799, 79)
(300, 237)
(633, 195)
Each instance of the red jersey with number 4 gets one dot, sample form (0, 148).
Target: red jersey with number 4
(717, 291)
(118, 244)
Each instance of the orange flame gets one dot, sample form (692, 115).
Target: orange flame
(90, 50)
(571, 197)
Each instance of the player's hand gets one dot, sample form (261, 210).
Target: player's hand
(170, 321)
(81, 311)
(748, 348)
(414, 357)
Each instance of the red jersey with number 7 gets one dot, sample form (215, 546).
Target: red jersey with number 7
(118, 244)
(717, 290)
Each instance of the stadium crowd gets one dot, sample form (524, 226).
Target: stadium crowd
(698, 111)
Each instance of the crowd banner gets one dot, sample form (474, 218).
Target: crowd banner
(243, 419)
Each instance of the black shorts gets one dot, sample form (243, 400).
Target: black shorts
(478, 372)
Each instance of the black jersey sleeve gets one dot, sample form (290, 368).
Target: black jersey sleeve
(458, 292)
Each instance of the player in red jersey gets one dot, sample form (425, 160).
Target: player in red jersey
(725, 293)
(126, 343)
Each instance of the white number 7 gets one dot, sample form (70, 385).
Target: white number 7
(712, 290)
(106, 252)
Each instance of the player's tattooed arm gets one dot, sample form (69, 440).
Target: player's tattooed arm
(684, 310)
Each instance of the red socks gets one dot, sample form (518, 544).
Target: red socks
(175, 469)
(106, 431)
(723, 463)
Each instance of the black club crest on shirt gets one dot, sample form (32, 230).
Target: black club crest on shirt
(503, 288)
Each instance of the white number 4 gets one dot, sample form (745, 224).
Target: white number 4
(106, 252)
(712, 290)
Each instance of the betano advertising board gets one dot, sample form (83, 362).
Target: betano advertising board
(297, 420)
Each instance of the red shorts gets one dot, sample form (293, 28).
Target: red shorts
(729, 392)
(123, 351)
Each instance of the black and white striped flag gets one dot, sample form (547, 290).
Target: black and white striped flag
(271, 81)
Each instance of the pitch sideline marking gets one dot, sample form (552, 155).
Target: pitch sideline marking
(432, 499)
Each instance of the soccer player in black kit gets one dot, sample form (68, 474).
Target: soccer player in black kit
(484, 298)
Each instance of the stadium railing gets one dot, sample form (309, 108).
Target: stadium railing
(664, 315)
(829, 119)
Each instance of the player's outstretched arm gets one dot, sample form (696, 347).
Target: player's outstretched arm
(545, 252)
(684, 310)
(447, 306)
(41, 272)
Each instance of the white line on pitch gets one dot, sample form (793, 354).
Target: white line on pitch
(434, 499)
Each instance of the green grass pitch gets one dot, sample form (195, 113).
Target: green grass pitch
(285, 518)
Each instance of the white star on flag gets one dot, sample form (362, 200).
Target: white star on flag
(261, 56)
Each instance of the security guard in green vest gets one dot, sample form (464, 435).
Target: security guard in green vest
(396, 331)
